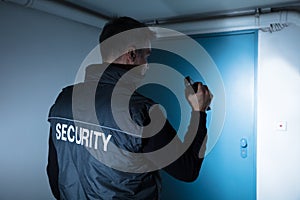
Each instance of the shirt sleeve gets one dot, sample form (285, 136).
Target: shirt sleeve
(52, 168)
(187, 166)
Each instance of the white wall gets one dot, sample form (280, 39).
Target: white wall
(39, 54)
(278, 152)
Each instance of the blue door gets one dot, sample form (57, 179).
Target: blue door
(229, 168)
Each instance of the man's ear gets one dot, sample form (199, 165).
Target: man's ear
(131, 55)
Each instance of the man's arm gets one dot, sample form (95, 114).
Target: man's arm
(187, 166)
(52, 168)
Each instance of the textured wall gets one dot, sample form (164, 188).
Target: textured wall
(39, 54)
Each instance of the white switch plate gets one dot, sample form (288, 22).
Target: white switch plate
(281, 126)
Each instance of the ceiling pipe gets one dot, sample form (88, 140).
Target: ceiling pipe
(262, 19)
(64, 10)
(271, 22)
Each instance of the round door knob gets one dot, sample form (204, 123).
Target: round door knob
(243, 143)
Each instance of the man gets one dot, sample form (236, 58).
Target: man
(109, 142)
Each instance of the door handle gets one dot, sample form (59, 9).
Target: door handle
(243, 147)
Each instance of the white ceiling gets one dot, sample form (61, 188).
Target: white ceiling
(168, 9)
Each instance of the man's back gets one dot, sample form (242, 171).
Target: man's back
(88, 142)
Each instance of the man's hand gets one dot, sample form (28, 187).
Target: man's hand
(200, 100)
